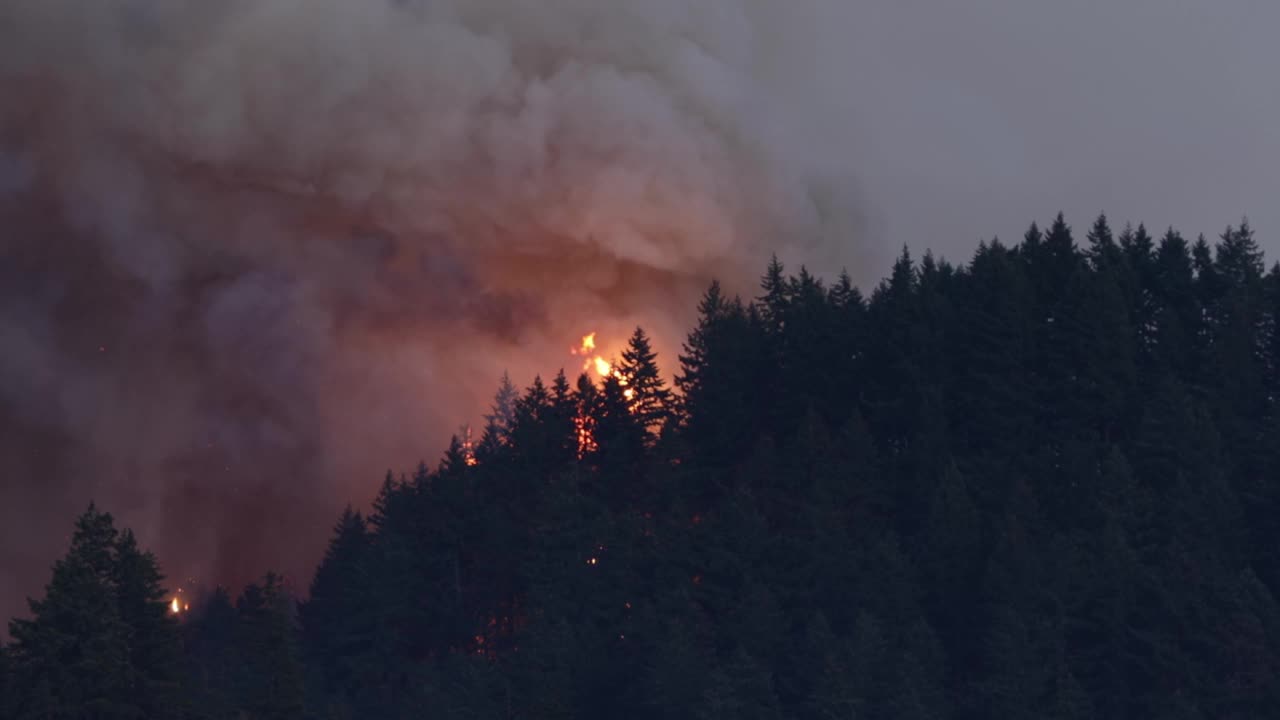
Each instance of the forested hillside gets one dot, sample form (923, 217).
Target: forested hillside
(1044, 484)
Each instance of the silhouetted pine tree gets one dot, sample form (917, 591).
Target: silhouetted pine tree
(336, 623)
(77, 656)
(213, 658)
(154, 652)
(270, 682)
(649, 398)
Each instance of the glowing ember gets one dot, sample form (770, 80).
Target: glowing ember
(469, 448)
(586, 442)
(174, 606)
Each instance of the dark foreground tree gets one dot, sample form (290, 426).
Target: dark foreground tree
(271, 683)
(99, 644)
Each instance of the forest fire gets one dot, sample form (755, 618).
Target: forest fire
(587, 349)
(586, 440)
(177, 604)
(603, 368)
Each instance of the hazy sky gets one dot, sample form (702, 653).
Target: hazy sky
(976, 117)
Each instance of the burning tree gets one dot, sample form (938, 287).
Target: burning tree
(633, 384)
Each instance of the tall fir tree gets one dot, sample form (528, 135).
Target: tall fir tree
(337, 627)
(72, 658)
(154, 651)
(271, 682)
(646, 391)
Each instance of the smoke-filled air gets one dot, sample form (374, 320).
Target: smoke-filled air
(255, 253)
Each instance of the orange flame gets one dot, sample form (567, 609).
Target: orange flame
(603, 368)
(587, 349)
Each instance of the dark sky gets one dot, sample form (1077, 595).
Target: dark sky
(256, 252)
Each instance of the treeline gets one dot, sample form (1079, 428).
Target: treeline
(1045, 484)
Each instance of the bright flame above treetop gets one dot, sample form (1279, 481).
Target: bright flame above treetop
(602, 367)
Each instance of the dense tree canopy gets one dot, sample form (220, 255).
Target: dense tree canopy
(1045, 484)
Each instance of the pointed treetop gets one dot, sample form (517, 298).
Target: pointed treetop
(1059, 239)
(1238, 254)
(773, 276)
(1033, 237)
(1202, 255)
(503, 409)
(841, 293)
(647, 393)
(928, 264)
(350, 518)
(776, 297)
(712, 301)
(903, 276)
(1172, 242)
(586, 389)
(457, 457)
(560, 387)
(1100, 233)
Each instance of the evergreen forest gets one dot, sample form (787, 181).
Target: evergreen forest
(1044, 484)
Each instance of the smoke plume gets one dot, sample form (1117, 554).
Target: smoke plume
(255, 252)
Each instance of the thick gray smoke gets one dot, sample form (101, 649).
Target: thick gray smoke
(254, 252)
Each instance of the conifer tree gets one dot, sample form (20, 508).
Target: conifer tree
(336, 623)
(646, 391)
(1103, 252)
(775, 297)
(561, 416)
(271, 684)
(498, 422)
(72, 658)
(153, 634)
(620, 439)
(722, 367)
(210, 638)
